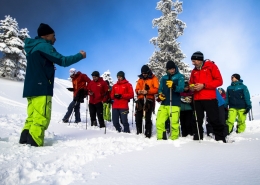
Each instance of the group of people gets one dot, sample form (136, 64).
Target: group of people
(180, 101)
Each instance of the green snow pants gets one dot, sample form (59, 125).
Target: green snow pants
(106, 111)
(39, 116)
(241, 120)
(162, 115)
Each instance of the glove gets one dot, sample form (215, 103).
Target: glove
(80, 96)
(247, 110)
(162, 97)
(117, 96)
(90, 93)
(169, 83)
(70, 89)
(146, 87)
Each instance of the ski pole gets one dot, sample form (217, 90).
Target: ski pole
(105, 126)
(133, 112)
(87, 112)
(195, 114)
(143, 122)
(252, 114)
(73, 110)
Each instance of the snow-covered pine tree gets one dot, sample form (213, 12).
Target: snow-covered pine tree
(13, 63)
(166, 45)
(107, 76)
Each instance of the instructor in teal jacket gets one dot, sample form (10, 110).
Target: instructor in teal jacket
(174, 82)
(238, 100)
(39, 80)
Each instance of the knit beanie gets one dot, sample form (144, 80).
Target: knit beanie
(95, 73)
(44, 29)
(145, 69)
(237, 76)
(197, 56)
(121, 73)
(170, 65)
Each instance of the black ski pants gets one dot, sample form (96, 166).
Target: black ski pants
(186, 122)
(96, 110)
(212, 111)
(148, 117)
(222, 120)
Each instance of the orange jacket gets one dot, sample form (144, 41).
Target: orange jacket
(152, 82)
(79, 82)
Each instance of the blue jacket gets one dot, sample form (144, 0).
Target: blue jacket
(238, 96)
(178, 80)
(221, 100)
(41, 57)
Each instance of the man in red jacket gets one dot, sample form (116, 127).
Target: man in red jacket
(204, 80)
(79, 81)
(97, 90)
(121, 93)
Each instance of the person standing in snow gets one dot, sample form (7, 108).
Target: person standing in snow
(39, 80)
(222, 93)
(97, 91)
(173, 81)
(238, 100)
(222, 116)
(122, 92)
(186, 114)
(107, 104)
(146, 87)
(79, 81)
(204, 80)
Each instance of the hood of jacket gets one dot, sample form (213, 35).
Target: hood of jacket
(31, 43)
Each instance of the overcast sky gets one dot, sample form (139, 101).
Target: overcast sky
(116, 33)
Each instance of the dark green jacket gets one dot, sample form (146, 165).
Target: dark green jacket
(41, 57)
(238, 96)
(178, 80)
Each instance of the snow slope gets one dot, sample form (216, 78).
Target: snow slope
(74, 155)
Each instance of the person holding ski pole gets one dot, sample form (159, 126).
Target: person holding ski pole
(79, 81)
(107, 104)
(97, 91)
(39, 82)
(171, 85)
(122, 92)
(204, 80)
(238, 100)
(146, 87)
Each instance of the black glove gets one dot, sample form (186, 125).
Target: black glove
(247, 110)
(80, 96)
(146, 87)
(70, 89)
(117, 96)
(173, 87)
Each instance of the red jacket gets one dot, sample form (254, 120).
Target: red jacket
(79, 82)
(97, 91)
(126, 90)
(210, 76)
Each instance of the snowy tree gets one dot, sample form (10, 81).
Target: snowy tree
(166, 45)
(107, 76)
(13, 63)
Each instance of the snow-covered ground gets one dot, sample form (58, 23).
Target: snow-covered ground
(74, 155)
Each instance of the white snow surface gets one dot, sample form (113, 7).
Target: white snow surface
(74, 155)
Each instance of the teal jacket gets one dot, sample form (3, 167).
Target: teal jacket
(178, 80)
(238, 96)
(41, 57)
